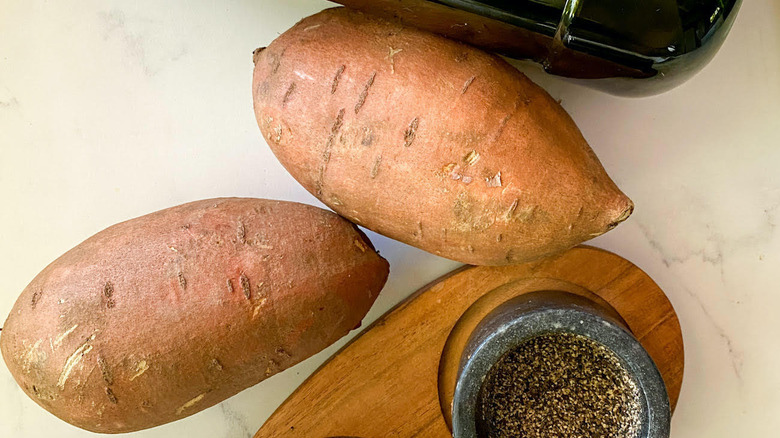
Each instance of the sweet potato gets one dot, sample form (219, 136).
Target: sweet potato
(429, 141)
(159, 317)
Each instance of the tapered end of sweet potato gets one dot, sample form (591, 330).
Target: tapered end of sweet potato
(616, 211)
(626, 208)
(256, 53)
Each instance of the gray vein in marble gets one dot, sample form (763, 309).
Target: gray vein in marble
(668, 259)
(734, 355)
(237, 423)
(720, 244)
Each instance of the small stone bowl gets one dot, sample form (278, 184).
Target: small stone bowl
(537, 313)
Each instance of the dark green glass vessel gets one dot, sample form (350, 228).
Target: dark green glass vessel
(627, 47)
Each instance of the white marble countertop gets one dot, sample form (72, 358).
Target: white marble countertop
(113, 109)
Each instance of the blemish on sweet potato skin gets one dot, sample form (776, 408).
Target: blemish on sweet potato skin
(364, 94)
(368, 137)
(108, 293)
(105, 371)
(139, 369)
(256, 54)
(181, 281)
(334, 130)
(288, 94)
(74, 361)
(467, 84)
(189, 404)
(241, 232)
(336, 78)
(142, 361)
(245, 286)
(375, 167)
(111, 397)
(411, 132)
(36, 296)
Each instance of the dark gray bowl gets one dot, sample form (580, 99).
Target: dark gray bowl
(536, 313)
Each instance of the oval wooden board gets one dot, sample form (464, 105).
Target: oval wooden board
(388, 381)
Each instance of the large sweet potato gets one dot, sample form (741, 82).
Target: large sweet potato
(159, 317)
(429, 141)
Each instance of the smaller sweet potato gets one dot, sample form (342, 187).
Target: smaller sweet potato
(159, 317)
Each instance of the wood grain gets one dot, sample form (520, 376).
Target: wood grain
(393, 379)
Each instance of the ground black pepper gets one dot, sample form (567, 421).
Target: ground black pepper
(558, 385)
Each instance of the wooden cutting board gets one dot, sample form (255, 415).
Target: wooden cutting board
(396, 379)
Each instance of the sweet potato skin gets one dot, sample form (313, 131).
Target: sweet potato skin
(429, 141)
(159, 317)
